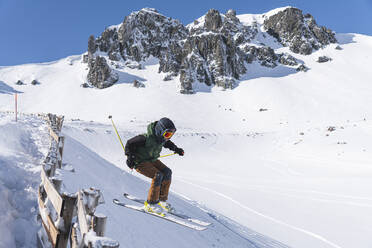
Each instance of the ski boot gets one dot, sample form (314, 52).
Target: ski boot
(166, 206)
(153, 208)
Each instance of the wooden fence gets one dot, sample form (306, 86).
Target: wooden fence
(57, 210)
(90, 228)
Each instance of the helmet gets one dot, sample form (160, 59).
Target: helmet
(162, 126)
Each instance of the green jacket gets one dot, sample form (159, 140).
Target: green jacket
(150, 151)
(147, 147)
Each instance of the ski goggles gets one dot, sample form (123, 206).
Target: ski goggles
(168, 134)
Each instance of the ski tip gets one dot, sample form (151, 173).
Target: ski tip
(115, 200)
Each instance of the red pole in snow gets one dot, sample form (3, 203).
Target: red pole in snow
(16, 98)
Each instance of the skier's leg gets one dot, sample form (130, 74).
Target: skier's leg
(167, 178)
(149, 170)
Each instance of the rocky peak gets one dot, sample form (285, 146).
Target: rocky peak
(301, 33)
(227, 25)
(214, 50)
(146, 32)
(213, 20)
(210, 53)
(231, 14)
(142, 34)
(108, 42)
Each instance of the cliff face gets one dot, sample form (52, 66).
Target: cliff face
(147, 33)
(214, 50)
(297, 31)
(211, 54)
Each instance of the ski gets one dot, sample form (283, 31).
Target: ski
(182, 216)
(165, 217)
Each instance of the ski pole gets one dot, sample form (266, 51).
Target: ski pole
(110, 117)
(167, 155)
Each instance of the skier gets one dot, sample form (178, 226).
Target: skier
(142, 153)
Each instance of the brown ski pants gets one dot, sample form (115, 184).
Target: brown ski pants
(161, 180)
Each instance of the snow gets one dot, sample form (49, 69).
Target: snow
(200, 23)
(115, 27)
(251, 19)
(264, 178)
(276, 11)
(98, 241)
(19, 180)
(151, 11)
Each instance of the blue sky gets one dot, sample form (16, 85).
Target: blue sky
(46, 30)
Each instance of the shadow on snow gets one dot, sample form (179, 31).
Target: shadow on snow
(258, 71)
(126, 78)
(253, 71)
(6, 89)
(345, 38)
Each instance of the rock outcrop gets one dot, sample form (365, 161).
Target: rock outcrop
(147, 33)
(138, 84)
(35, 82)
(302, 68)
(100, 74)
(323, 59)
(287, 59)
(214, 50)
(210, 53)
(297, 31)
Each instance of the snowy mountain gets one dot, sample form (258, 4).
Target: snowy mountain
(283, 158)
(214, 50)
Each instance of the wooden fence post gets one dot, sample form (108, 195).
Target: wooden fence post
(61, 144)
(99, 224)
(52, 170)
(74, 241)
(67, 213)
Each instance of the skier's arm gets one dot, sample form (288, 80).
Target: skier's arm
(171, 146)
(133, 143)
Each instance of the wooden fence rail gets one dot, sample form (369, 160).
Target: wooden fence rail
(90, 230)
(57, 210)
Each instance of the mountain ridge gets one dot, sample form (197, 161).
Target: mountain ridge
(215, 49)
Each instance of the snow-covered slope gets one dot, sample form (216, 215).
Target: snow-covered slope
(282, 171)
(22, 148)
(23, 145)
(328, 91)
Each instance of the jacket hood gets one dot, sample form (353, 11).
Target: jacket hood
(151, 128)
(151, 132)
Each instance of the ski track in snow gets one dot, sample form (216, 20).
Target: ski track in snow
(314, 235)
(256, 239)
(283, 164)
(278, 166)
(278, 191)
(229, 231)
(317, 199)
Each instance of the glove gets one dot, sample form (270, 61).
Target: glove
(179, 151)
(130, 161)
